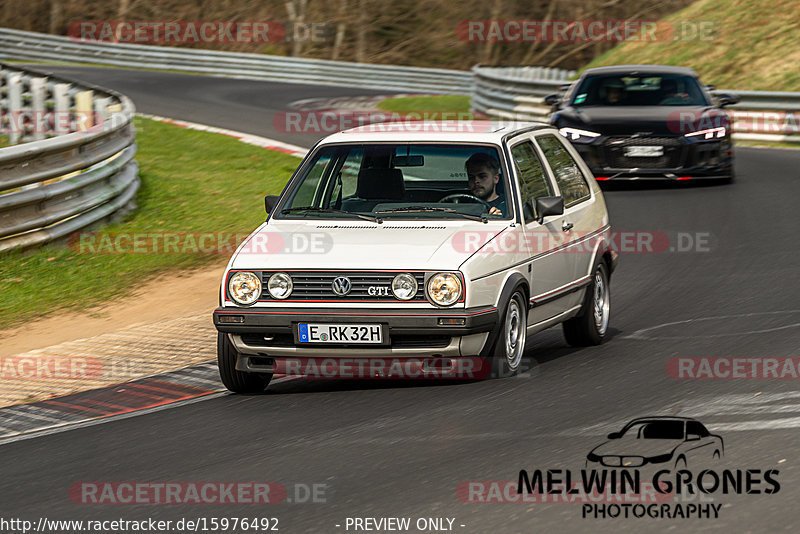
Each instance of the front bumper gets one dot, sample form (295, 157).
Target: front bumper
(409, 333)
(681, 160)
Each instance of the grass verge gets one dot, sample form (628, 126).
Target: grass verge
(192, 183)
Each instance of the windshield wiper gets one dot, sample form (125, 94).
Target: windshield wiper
(314, 209)
(416, 209)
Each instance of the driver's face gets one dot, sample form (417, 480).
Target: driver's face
(482, 181)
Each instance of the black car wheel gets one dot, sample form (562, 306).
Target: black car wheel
(235, 380)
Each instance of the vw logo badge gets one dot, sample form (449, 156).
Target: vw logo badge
(341, 285)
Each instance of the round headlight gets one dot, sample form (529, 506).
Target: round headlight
(280, 285)
(404, 286)
(244, 288)
(444, 289)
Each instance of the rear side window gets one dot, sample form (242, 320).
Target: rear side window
(694, 427)
(533, 179)
(568, 174)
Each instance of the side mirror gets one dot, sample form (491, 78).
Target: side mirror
(546, 206)
(614, 435)
(269, 202)
(727, 99)
(552, 100)
(692, 437)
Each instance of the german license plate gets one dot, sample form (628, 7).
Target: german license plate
(339, 333)
(644, 151)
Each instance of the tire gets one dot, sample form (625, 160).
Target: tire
(234, 380)
(509, 346)
(590, 326)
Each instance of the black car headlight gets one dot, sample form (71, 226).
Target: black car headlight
(660, 459)
(576, 135)
(709, 133)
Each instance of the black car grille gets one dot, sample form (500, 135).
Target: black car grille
(318, 286)
(673, 158)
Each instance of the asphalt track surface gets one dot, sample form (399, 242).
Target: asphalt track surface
(401, 449)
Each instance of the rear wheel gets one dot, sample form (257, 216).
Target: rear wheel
(510, 344)
(237, 381)
(589, 327)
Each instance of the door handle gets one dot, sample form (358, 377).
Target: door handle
(566, 226)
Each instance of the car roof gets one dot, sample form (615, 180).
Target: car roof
(463, 131)
(622, 69)
(661, 418)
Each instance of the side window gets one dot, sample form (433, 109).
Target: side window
(693, 427)
(533, 179)
(568, 174)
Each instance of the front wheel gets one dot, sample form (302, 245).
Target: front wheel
(589, 327)
(510, 344)
(235, 380)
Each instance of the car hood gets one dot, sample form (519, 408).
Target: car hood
(637, 447)
(650, 120)
(356, 244)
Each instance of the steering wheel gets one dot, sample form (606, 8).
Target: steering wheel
(465, 196)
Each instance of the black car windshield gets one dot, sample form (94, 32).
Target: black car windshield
(655, 430)
(386, 181)
(639, 89)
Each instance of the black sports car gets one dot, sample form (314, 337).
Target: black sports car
(633, 122)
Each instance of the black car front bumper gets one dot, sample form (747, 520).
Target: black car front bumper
(400, 322)
(681, 159)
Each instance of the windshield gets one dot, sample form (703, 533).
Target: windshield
(643, 89)
(655, 430)
(400, 181)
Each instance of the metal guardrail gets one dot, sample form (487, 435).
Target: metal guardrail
(76, 168)
(43, 47)
(517, 93)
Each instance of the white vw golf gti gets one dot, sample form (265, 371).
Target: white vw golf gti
(432, 243)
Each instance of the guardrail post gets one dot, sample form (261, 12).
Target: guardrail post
(38, 91)
(101, 110)
(14, 91)
(83, 110)
(63, 117)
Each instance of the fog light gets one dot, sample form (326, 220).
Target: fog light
(452, 321)
(231, 319)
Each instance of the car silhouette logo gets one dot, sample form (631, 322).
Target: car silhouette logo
(672, 442)
(341, 285)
